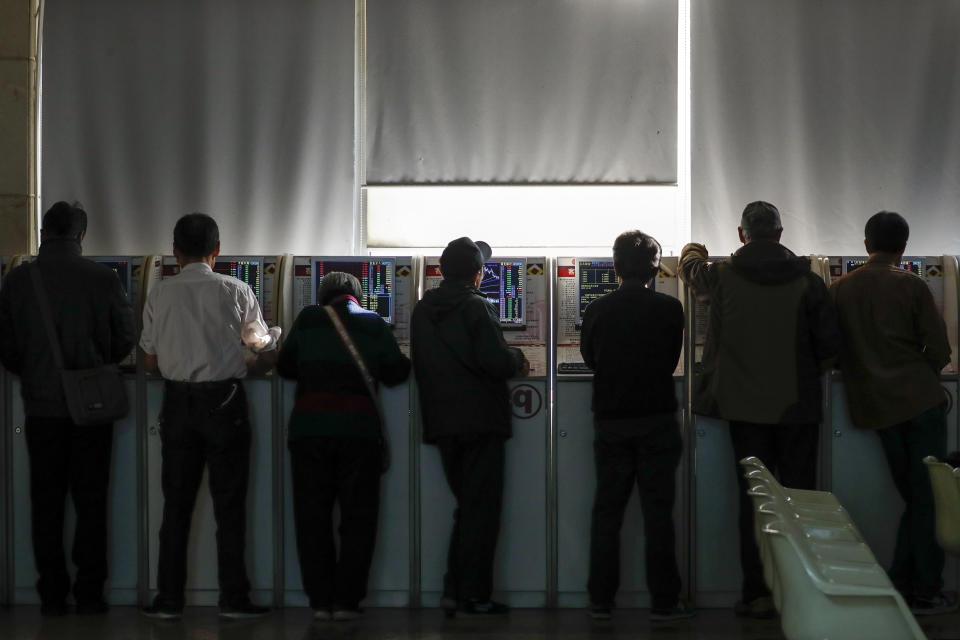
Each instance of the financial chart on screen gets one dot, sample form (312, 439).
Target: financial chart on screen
(595, 278)
(248, 271)
(376, 281)
(913, 266)
(503, 285)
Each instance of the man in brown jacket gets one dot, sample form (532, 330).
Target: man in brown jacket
(772, 330)
(895, 344)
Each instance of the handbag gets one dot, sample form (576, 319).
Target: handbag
(94, 396)
(367, 380)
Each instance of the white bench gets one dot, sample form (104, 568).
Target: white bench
(825, 580)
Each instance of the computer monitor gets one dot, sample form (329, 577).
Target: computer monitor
(907, 264)
(503, 285)
(376, 280)
(245, 269)
(120, 266)
(595, 278)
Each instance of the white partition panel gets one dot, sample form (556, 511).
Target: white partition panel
(389, 580)
(862, 481)
(202, 585)
(122, 546)
(520, 569)
(716, 535)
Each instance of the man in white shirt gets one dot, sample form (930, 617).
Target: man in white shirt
(194, 328)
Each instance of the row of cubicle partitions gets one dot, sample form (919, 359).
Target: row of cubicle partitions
(543, 552)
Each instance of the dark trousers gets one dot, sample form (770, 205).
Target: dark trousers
(789, 451)
(650, 460)
(917, 568)
(65, 457)
(474, 467)
(204, 424)
(328, 470)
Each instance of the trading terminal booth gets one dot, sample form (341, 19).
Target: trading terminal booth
(259, 272)
(855, 465)
(518, 288)
(122, 583)
(579, 281)
(851, 462)
(389, 288)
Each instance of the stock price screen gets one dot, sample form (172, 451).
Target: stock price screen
(595, 278)
(502, 284)
(376, 281)
(247, 271)
(913, 266)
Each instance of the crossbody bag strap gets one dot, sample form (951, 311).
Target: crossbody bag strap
(357, 359)
(44, 305)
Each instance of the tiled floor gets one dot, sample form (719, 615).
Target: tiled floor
(201, 623)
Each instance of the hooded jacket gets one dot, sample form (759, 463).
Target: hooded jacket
(772, 331)
(92, 316)
(461, 363)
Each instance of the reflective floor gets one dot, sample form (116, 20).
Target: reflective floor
(201, 623)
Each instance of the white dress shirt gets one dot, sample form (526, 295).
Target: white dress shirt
(197, 322)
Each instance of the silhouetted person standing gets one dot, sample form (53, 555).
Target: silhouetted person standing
(895, 345)
(771, 333)
(631, 338)
(194, 327)
(337, 453)
(94, 324)
(462, 365)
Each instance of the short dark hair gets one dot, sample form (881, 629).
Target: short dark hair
(886, 231)
(196, 235)
(64, 220)
(636, 255)
(760, 221)
(338, 283)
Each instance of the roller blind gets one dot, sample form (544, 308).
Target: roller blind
(831, 110)
(242, 109)
(518, 91)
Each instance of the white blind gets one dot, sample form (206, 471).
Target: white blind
(517, 91)
(831, 110)
(242, 110)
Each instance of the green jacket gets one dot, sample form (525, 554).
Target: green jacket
(772, 331)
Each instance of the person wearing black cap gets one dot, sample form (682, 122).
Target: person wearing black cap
(637, 437)
(94, 324)
(462, 364)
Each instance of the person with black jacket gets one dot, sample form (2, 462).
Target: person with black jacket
(772, 331)
(95, 326)
(462, 364)
(631, 338)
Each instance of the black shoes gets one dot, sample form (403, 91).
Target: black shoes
(483, 609)
(679, 611)
(935, 605)
(161, 611)
(243, 611)
(759, 608)
(601, 611)
(472, 608)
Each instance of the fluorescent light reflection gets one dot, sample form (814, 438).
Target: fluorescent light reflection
(539, 220)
